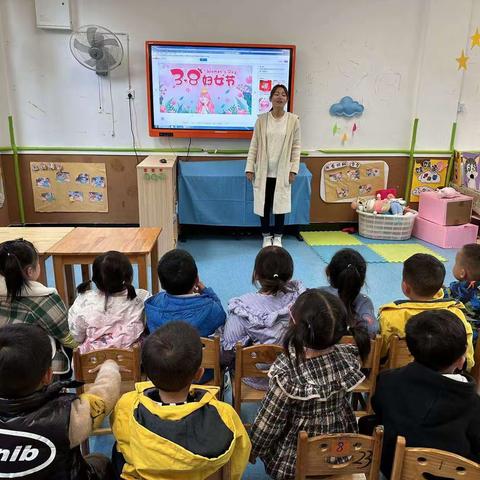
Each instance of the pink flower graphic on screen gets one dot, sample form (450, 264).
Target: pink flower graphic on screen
(162, 108)
(264, 104)
(248, 79)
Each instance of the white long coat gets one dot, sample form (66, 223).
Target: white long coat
(289, 161)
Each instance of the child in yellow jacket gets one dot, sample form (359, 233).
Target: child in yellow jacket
(423, 277)
(169, 429)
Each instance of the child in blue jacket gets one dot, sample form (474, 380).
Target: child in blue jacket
(185, 297)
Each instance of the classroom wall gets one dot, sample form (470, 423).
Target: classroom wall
(397, 57)
(4, 92)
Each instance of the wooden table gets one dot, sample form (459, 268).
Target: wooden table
(43, 238)
(81, 246)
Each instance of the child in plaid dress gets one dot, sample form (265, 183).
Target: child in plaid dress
(310, 383)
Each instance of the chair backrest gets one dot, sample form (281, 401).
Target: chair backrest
(339, 454)
(372, 363)
(413, 463)
(398, 353)
(211, 357)
(83, 364)
(251, 361)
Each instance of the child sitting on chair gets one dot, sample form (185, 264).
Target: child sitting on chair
(346, 273)
(310, 383)
(423, 277)
(426, 401)
(168, 428)
(466, 288)
(262, 317)
(41, 426)
(185, 297)
(113, 315)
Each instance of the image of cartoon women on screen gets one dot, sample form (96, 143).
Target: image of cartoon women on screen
(205, 104)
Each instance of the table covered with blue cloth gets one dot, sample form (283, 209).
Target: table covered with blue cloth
(218, 193)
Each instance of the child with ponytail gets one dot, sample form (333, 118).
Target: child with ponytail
(262, 317)
(23, 299)
(113, 315)
(310, 383)
(346, 273)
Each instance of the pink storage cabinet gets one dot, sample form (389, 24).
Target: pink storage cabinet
(454, 236)
(445, 211)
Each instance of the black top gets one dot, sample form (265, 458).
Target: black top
(429, 410)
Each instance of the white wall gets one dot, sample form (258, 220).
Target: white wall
(395, 56)
(4, 93)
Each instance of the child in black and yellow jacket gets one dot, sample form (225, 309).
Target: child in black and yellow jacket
(169, 429)
(423, 277)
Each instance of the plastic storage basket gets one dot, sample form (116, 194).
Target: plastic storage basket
(386, 227)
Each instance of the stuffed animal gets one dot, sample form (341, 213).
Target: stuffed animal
(371, 205)
(397, 205)
(447, 192)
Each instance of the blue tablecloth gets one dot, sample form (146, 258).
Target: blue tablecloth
(218, 193)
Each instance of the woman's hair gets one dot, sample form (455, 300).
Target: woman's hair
(319, 321)
(346, 272)
(112, 273)
(15, 257)
(273, 270)
(275, 88)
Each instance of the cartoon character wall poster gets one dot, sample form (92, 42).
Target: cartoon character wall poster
(428, 175)
(344, 181)
(470, 171)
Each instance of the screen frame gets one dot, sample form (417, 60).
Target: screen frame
(208, 133)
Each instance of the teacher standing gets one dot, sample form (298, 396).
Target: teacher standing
(272, 164)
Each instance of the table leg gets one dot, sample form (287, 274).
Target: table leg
(142, 272)
(153, 266)
(59, 272)
(70, 284)
(43, 271)
(85, 273)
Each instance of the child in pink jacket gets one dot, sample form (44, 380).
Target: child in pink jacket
(113, 315)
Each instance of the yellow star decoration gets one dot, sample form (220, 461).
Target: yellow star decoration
(462, 61)
(475, 39)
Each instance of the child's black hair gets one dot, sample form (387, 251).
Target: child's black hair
(112, 273)
(172, 355)
(15, 257)
(436, 338)
(470, 257)
(319, 321)
(25, 357)
(346, 273)
(273, 270)
(424, 274)
(177, 272)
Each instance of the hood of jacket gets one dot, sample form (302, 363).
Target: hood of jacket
(167, 441)
(338, 371)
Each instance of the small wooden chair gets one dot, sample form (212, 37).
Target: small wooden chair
(398, 353)
(211, 359)
(83, 364)
(339, 455)
(248, 363)
(413, 463)
(372, 363)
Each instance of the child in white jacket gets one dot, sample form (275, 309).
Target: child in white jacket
(113, 315)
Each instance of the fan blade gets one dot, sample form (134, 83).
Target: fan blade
(80, 46)
(91, 35)
(99, 39)
(111, 42)
(91, 62)
(109, 58)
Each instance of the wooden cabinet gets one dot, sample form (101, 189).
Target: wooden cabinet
(157, 198)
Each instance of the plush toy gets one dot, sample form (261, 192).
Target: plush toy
(397, 205)
(447, 192)
(371, 205)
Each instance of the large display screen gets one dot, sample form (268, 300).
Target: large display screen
(213, 90)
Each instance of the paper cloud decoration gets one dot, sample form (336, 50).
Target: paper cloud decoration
(346, 107)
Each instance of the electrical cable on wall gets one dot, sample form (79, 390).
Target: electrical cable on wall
(134, 142)
(111, 105)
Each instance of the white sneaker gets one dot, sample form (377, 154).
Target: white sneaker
(277, 241)
(267, 241)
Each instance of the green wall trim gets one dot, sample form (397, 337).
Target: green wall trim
(16, 166)
(348, 152)
(109, 149)
(5, 149)
(452, 152)
(411, 160)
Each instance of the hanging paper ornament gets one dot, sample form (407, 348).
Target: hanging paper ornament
(354, 128)
(344, 138)
(335, 129)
